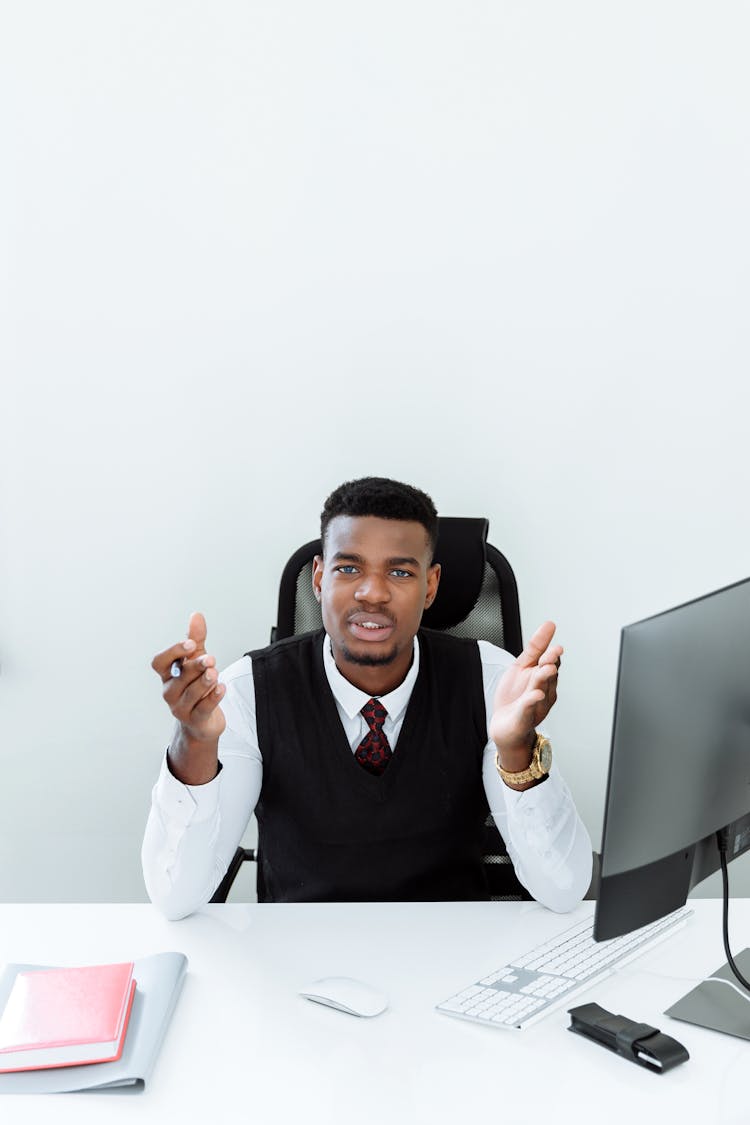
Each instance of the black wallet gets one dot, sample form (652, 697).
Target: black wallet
(639, 1042)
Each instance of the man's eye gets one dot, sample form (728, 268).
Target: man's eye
(401, 573)
(346, 569)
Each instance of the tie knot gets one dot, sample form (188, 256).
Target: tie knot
(375, 713)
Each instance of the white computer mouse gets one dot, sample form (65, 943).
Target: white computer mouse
(346, 994)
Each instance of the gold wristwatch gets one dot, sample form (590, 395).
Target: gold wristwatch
(539, 766)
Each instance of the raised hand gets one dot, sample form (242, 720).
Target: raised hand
(193, 697)
(526, 693)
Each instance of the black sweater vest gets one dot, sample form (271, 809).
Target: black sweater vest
(331, 832)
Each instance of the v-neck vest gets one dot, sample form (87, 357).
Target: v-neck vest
(331, 832)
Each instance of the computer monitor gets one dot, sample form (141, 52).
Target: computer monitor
(679, 767)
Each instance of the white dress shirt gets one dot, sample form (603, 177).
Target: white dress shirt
(193, 830)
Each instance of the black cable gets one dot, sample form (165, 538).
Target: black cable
(721, 839)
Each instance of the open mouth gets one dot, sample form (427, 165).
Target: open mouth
(374, 627)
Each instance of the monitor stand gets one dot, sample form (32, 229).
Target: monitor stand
(718, 1006)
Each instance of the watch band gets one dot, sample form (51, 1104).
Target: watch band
(639, 1042)
(533, 772)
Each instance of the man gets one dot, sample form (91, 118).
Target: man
(364, 748)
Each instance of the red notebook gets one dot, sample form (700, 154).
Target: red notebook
(66, 1017)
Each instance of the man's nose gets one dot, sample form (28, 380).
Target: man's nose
(372, 588)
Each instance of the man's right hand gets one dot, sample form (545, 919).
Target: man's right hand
(193, 698)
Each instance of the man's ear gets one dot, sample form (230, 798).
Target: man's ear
(317, 576)
(433, 581)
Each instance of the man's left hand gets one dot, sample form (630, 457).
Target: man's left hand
(526, 693)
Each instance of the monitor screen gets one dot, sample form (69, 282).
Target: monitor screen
(680, 759)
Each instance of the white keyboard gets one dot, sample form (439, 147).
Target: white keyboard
(523, 992)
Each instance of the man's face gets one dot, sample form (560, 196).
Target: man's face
(373, 582)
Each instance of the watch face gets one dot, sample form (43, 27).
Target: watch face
(545, 756)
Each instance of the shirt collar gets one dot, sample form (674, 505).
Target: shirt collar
(351, 699)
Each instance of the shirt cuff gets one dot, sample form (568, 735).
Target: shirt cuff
(542, 800)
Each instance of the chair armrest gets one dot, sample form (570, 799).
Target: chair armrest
(224, 887)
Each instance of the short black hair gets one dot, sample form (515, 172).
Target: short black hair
(387, 499)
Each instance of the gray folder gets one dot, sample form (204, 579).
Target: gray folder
(158, 982)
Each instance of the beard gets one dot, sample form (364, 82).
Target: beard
(368, 659)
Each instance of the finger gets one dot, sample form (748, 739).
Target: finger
(527, 711)
(163, 661)
(189, 673)
(553, 655)
(542, 686)
(542, 676)
(197, 632)
(209, 702)
(537, 645)
(536, 704)
(192, 694)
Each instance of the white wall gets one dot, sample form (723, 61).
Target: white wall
(252, 249)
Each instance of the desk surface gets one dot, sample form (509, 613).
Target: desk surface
(244, 1047)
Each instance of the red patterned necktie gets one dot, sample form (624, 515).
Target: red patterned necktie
(373, 752)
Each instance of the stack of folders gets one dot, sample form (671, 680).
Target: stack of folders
(96, 1027)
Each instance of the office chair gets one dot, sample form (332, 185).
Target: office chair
(477, 598)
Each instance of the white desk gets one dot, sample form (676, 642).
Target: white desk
(244, 1047)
